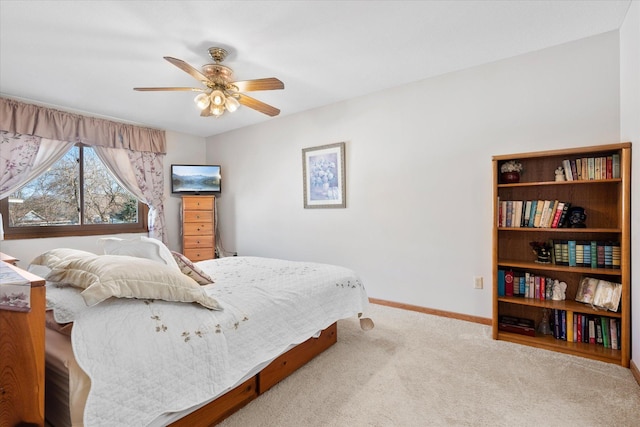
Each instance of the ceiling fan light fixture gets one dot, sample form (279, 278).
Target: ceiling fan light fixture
(217, 97)
(202, 100)
(232, 104)
(217, 110)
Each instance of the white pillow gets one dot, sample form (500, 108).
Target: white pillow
(122, 276)
(141, 247)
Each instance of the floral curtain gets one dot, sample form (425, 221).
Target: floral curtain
(142, 174)
(24, 157)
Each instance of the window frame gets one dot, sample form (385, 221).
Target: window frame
(37, 231)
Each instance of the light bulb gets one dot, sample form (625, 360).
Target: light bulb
(217, 110)
(202, 101)
(232, 104)
(217, 97)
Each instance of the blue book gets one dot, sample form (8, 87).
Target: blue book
(608, 255)
(572, 253)
(532, 213)
(500, 283)
(587, 254)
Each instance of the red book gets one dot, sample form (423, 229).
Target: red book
(508, 283)
(557, 215)
(579, 338)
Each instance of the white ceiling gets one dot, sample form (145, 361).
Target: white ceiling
(86, 56)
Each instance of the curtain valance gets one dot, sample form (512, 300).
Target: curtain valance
(29, 119)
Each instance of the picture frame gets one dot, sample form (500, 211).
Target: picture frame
(323, 170)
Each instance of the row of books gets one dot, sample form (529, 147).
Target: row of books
(586, 253)
(532, 213)
(524, 284)
(598, 330)
(591, 168)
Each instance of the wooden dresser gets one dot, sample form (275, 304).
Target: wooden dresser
(198, 228)
(22, 359)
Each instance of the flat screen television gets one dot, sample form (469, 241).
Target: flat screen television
(195, 179)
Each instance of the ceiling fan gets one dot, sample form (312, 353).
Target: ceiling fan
(221, 93)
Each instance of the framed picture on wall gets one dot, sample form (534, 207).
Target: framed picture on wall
(324, 176)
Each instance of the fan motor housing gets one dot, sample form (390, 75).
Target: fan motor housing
(217, 73)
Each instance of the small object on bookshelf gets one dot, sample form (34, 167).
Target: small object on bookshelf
(576, 217)
(510, 177)
(560, 174)
(545, 328)
(510, 171)
(559, 290)
(586, 290)
(607, 295)
(542, 250)
(517, 325)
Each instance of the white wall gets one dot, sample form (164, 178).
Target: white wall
(630, 131)
(417, 227)
(180, 149)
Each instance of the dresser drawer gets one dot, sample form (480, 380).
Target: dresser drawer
(199, 254)
(198, 216)
(198, 203)
(197, 228)
(205, 241)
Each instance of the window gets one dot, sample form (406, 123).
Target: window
(76, 196)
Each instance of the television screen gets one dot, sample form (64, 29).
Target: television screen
(195, 179)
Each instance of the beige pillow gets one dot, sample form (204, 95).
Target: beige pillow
(191, 270)
(54, 256)
(121, 276)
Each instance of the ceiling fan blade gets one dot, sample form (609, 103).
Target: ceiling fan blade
(269, 83)
(187, 68)
(149, 89)
(258, 105)
(206, 112)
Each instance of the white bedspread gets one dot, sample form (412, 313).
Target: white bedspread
(147, 357)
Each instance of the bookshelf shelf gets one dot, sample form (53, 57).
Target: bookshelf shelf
(560, 230)
(606, 203)
(561, 183)
(547, 342)
(560, 268)
(567, 305)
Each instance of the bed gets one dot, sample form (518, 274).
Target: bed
(129, 359)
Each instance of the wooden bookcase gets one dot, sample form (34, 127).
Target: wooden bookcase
(607, 205)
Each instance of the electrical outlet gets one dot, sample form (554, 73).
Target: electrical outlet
(477, 282)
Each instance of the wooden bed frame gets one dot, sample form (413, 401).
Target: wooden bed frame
(280, 368)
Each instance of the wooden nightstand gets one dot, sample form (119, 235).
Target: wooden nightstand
(8, 259)
(22, 358)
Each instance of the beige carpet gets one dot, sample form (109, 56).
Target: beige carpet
(415, 369)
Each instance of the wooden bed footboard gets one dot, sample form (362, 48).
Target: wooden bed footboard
(276, 371)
